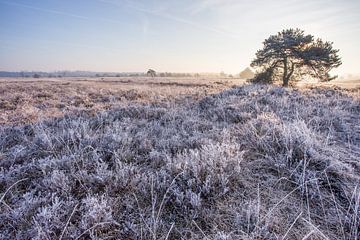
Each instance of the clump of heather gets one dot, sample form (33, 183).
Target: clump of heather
(252, 162)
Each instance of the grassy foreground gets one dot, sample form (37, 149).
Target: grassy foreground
(252, 162)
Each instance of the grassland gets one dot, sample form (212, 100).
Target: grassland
(32, 100)
(178, 159)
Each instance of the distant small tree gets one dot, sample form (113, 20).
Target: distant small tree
(247, 73)
(222, 74)
(162, 74)
(290, 54)
(151, 73)
(36, 75)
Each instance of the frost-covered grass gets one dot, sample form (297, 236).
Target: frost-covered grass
(252, 162)
(31, 100)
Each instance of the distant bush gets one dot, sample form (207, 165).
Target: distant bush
(247, 73)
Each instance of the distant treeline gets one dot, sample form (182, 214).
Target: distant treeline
(61, 74)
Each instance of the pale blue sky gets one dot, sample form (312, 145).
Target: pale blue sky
(171, 35)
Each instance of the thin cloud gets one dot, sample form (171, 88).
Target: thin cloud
(134, 6)
(44, 10)
(172, 18)
(59, 12)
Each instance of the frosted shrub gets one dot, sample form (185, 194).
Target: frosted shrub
(252, 162)
(95, 210)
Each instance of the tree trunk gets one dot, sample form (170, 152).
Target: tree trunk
(285, 76)
(286, 82)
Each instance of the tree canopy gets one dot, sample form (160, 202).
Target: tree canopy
(291, 54)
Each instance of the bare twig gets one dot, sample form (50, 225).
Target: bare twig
(7, 190)
(67, 223)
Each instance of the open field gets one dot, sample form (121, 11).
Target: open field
(178, 159)
(347, 84)
(24, 100)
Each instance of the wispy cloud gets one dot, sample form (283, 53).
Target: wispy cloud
(51, 43)
(57, 12)
(163, 14)
(44, 10)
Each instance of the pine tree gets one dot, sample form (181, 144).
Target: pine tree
(290, 54)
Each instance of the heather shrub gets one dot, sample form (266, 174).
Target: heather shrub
(252, 162)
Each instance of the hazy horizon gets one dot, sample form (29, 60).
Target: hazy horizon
(169, 36)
